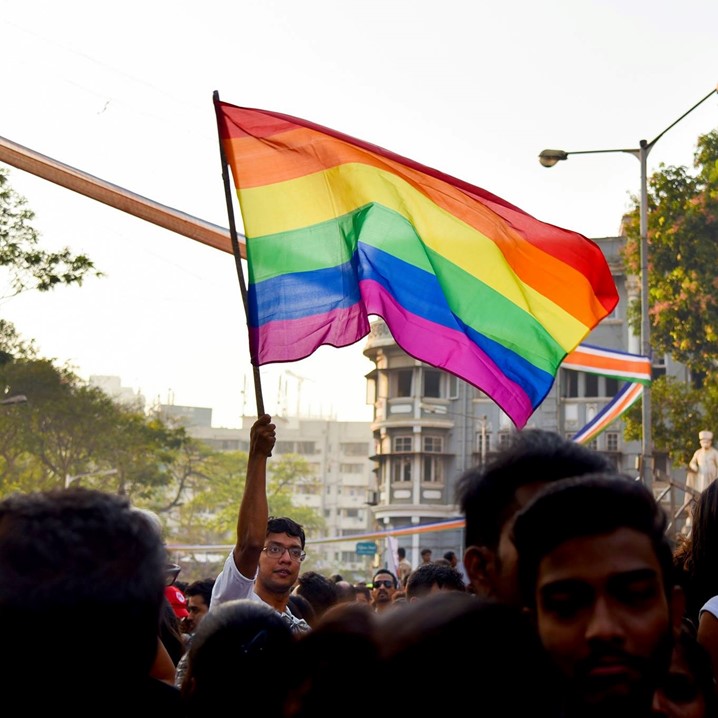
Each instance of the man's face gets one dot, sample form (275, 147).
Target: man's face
(603, 615)
(279, 574)
(197, 609)
(382, 591)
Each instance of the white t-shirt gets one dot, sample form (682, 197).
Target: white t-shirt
(231, 585)
(711, 606)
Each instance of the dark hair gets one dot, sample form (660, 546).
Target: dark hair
(423, 577)
(507, 663)
(319, 590)
(587, 506)
(386, 571)
(83, 559)
(401, 552)
(701, 557)
(202, 587)
(363, 589)
(449, 555)
(487, 496)
(237, 638)
(285, 525)
(171, 632)
(424, 551)
(301, 607)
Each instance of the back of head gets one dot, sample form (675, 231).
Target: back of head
(78, 560)
(591, 505)
(505, 666)
(487, 496)
(319, 590)
(343, 643)
(238, 640)
(423, 578)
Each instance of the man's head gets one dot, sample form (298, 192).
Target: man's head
(595, 568)
(82, 559)
(490, 497)
(431, 578)
(401, 553)
(282, 555)
(198, 595)
(426, 555)
(384, 585)
(450, 556)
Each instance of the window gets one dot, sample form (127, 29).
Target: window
(432, 383)
(402, 380)
(431, 469)
(402, 444)
(354, 448)
(611, 386)
(401, 469)
(351, 513)
(306, 447)
(351, 468)
(433, 444)
(483, 443)
(569, 383)
(611, 441)
(593, 444)
(504, 440)
(591, 385)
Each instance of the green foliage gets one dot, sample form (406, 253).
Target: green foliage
(683, 297)
(682, 241)
(678, 414)
(28, 266)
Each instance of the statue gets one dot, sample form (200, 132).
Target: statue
(703, 467)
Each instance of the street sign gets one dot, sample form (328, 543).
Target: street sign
(366, 548)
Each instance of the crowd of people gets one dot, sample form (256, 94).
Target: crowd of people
(570, 602)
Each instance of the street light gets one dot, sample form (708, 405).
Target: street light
(548, 158)
(69, 479)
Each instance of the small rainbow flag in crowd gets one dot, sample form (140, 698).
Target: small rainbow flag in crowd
(338, 229)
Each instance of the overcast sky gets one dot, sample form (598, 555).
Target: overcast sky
(474, 89)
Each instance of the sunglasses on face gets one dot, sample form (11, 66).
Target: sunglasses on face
(386, 584)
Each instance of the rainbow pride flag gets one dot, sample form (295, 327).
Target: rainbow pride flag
(339, 229)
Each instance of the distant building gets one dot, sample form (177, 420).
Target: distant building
(112, 386)
(339, 454)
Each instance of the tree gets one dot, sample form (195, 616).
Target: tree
(682, 242)
(30, 267)
(26, 266)
(683, 301)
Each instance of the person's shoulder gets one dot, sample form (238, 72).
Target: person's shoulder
(710, 606)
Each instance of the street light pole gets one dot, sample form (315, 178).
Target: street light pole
(548, 158)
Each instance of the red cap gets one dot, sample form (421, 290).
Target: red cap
(177, 600)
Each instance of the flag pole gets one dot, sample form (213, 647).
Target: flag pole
(236, 251)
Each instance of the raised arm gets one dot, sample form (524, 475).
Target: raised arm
(254, 509)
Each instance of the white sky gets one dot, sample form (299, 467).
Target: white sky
(475, 89)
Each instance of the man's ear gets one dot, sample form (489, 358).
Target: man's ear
(479, 565)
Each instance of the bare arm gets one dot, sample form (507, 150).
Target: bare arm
(254, 509)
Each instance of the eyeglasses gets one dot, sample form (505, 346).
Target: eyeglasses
(276, 550)
(387, 584)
